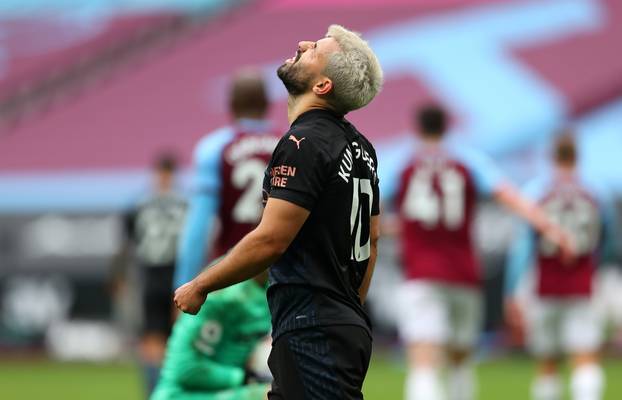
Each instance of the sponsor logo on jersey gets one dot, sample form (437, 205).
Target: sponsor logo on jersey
(296, 140)
(279, 175)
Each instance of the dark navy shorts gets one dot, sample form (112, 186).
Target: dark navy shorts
(158, 300)
(321, 363)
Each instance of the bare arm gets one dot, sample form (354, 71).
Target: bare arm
(279, 225)
(509, 197)
(374, 235)
(390, 224)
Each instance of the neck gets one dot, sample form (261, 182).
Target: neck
(297, 105)
(431, 140)
(255, 116)
(565, 171)
(163, 191)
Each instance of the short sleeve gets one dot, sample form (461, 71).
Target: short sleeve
(375, 205)
(299, 169)
(609, 253)
(488, 177)
(535, 189)
(207, 163)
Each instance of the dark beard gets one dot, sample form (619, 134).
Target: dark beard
(296, 82)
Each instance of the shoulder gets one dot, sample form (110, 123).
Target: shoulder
(145, 201)
(304, 143)
(477, 164)
(537, 188)
(323, 133)
(367, 144)
(212, 143)
(176, 200)
(597, 191)
(466, 155)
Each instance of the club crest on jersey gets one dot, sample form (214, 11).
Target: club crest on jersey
(296, 140)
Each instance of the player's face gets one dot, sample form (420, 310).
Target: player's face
(300, 72)
(164, 180)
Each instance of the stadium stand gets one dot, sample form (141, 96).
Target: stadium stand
(48, 57)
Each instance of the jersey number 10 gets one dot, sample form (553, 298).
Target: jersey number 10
(360, 218)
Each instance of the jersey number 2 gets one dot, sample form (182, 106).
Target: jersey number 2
(248, 175)
(360, 217)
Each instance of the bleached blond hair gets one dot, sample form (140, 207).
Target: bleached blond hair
(355, 71)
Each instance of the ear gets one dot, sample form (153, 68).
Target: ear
(323, 86)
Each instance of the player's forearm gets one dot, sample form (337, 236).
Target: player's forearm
(509, 197)
(251, 256)
(518, 261)
(364, 289)
(371, 265)
(391, 225)
(280, 223)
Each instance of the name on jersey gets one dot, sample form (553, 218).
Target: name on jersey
(251, 145)
(280, 174)
(347, 162)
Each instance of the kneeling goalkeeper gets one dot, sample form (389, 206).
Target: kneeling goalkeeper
(217, 354)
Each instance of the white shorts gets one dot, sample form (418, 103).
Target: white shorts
(431, 312)
(563, 326)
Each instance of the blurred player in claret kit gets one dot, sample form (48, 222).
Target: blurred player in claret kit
(440, 303)
(229, 168)
(319, 228)
(211, 355)
(220, 353)
(562, 319)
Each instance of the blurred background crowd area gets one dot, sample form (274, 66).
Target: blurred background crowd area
(92, 91)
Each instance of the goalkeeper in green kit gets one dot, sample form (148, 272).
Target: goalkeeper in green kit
(221, 353)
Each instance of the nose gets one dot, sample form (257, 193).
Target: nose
(304, 45)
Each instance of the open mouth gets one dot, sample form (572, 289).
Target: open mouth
(295, 58)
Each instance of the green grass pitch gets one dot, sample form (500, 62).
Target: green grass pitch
(499, 379)
(502, 379)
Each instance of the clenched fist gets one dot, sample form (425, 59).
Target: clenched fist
(188, 298)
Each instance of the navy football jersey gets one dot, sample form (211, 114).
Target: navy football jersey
(326, 166)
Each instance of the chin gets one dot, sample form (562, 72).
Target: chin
(293, 79)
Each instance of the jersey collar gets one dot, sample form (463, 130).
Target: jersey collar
(315, 113)
(253, 125)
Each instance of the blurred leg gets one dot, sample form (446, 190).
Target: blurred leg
(424, 381)
(465, 326)
(582, 337)
(157, 305)
(461, 381)
(152, 349)
(587, 379)
(424, 327)
(543, 334)
(547, 385)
